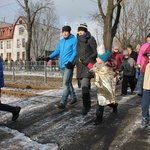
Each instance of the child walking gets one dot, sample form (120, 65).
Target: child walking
(104, 75)
(128, 68)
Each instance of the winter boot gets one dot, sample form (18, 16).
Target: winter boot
(98, 120)
(16, 113)
(14, 110)
(114, 106)
(86, 103)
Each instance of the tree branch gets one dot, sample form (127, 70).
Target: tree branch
(118, 3)
(100, 9)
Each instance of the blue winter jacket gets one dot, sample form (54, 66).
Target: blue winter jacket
(66, 50)
(1, 74)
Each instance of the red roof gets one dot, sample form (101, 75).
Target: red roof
(6, 32)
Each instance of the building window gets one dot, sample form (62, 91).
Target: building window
(1, 45)
(23, 42)
(18, 55)
(9, 56)
(20, 21)
(21, 30)
(8, 44)
(23, 55)
(1, 32)
(18, 43)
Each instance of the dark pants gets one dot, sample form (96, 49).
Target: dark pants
(145, 103)
(140, 83)
(85, 84)
(100, 110)
(126, 80)
(5, 107)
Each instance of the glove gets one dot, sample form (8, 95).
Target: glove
(90, 65)
(47, 59)
(69, 65)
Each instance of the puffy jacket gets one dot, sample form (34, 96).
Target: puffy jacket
(128, 66)
(87, 49)
(1, 74)
(145, 59)
(118, 58)
(66, 50)
(141, 58)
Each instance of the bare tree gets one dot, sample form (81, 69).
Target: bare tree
(109, 16)
(134, 23)
(32, 9)
(45, 34)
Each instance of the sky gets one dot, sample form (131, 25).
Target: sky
(72, 11)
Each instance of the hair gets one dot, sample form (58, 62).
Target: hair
(148, 36)
(130, 46)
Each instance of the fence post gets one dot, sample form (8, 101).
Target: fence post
(45, 72)
(13, 71)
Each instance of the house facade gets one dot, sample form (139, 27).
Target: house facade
(13, 40)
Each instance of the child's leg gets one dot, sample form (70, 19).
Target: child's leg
(145, 109)
(99, 114)
(145, 103)
(124, 85)
(99, 111)
(132, 83)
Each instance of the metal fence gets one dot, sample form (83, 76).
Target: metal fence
(40, 68)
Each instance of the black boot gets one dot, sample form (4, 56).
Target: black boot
(86, 103)
(16, 113)
(14, 110)
(99, 115)
(114, 106)
(97, 121)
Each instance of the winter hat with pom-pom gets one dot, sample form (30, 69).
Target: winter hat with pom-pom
(100, 49)
(66, 28)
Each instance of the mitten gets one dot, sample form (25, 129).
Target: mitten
(90, 65)
(69, 65)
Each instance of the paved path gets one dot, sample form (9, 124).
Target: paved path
(41, 126)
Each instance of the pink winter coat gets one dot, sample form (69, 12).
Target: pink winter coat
(141, 58)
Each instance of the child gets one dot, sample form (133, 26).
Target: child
(128, 68)
(103, 81)
(4, 107)
(146, 96)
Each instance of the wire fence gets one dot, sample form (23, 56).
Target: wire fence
(36, 69)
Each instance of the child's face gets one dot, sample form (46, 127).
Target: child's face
(148, 39)
(126, 56)
(99, 61)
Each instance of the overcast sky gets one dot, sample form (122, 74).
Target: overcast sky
(71, 11)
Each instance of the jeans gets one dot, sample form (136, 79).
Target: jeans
(68, 89)
(140, 83)
(145, 103)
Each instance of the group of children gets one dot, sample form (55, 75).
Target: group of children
(105, 81)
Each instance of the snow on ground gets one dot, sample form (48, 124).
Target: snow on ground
(24, 142)
(46, 97)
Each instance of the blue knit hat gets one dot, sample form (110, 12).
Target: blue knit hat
(104, 57)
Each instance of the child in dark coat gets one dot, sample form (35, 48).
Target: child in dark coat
(128, 68)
